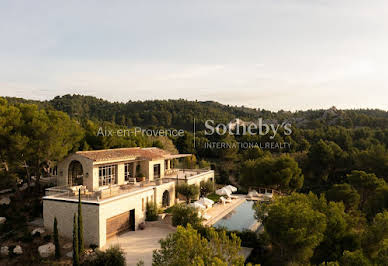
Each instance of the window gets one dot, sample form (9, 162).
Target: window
(156, 171)
(128, 171)
(107, 175)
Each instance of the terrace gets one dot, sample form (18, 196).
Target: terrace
(171, 176)
(185, 174)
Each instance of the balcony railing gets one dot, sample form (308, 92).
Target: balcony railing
(105, 193)
(184, 173)
(67, 192)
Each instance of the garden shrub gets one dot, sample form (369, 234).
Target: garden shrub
(183, 214)
(206, 187)
(188, 191)
(114, 256)
(168, 210)
(151, 212)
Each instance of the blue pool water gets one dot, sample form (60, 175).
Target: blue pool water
(241, 218)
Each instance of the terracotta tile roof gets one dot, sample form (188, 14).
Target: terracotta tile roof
(126, 153)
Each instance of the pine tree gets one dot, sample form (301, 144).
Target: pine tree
(56, 239)
(80, 226)
(75, 242)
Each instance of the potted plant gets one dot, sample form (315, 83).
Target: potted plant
(142, 226)
(140, 177)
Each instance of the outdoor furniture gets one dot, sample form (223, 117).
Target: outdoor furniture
(208, 203)
(268, 193)
(197, 205)
(223, 192)
(75, 190)
(253, 194)
(224, 200)
(231, 188)
(140, 179)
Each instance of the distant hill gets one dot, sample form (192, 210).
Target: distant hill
(181, 113)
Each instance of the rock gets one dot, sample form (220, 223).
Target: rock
(5, 200)
(4, 251)
(37, 230)
(46, 250)
(69, 254)
(2, 220)
(18, 250)
(67, 245)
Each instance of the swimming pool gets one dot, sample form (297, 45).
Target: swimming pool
(240, 218)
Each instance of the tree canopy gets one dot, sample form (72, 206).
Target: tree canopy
(187, 247)
(280, 173)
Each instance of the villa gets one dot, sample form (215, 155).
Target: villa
(115, 185)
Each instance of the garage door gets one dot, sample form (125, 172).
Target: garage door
(120, 223)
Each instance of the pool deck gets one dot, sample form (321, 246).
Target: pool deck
(219, 210)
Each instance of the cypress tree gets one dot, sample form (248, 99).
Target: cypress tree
(80, 226)
(56, 239)
(75, 242)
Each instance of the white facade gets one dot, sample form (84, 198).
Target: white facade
(100, 203)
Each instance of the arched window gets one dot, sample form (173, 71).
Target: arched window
(75, 177)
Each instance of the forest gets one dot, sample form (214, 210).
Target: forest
(335, 170)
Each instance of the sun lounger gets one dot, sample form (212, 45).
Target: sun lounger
(253, 194)
(206, 202)
(223, 200)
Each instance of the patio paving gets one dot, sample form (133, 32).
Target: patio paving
(220, 210)
(138, 245)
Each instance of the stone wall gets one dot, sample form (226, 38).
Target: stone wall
(64, 211)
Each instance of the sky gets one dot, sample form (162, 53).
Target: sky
(274, 54)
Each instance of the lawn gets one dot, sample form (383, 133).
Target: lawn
(214, 197)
